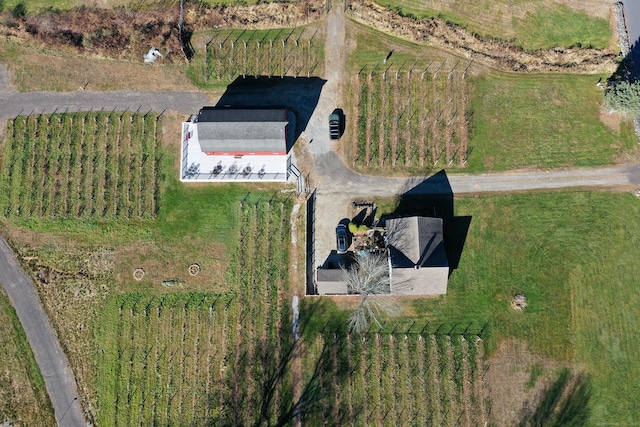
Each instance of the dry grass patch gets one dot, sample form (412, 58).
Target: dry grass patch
(35, 67)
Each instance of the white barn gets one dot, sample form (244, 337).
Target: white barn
(236, 144)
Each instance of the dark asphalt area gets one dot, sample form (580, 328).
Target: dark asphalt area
(632, 17)
(53, 363)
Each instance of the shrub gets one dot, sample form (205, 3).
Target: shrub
(624, 97)
(19, 11)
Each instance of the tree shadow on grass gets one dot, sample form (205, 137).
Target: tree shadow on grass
(269, 399)
(565, 403)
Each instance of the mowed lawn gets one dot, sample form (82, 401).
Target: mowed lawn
(542, 121)
(574, 255)
(533, 24)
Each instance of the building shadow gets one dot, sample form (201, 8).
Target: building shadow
(433, 197)
(300, 95)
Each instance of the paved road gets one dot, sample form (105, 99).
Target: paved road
(632, 16)
(53, 363)
(336, 183)
(48, 102)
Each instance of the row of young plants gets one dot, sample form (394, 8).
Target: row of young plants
(392, 378)
(201, 358)
(273, 53)
(408, 120)
(81, 165)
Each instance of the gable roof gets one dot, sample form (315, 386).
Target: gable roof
(242, 129)
(416, 242)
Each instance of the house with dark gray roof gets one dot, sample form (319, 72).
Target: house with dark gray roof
(418, 262)
(236, 144)
(418, 258)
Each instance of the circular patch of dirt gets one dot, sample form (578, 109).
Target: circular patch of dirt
(138, 274)
(194, 269)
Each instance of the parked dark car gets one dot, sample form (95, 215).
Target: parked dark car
(341, 239)
(336, 123)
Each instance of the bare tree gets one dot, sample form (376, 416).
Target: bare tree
(369, 277)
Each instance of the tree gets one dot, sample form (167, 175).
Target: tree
(369, 277)
(624, 97)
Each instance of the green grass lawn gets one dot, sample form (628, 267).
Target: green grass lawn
(23, 397)
(542, 121)
(529, 24)
(574, 256)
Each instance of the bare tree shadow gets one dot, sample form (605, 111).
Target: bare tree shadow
(564, 403)
(269, 399)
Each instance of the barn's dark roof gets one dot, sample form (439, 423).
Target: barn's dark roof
(214, 114)
(242, 130)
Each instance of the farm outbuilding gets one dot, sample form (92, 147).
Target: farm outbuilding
(236, 144)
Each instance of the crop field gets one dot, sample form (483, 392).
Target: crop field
(295, 52)
(411, 117)
(86, 165)
(399, 377)
(203, 358)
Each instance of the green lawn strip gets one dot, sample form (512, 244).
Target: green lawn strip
(543, 27)
(561, 26)
(543, 121)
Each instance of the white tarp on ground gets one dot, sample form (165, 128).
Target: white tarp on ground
(197, 166)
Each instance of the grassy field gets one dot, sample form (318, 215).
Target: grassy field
(23, 397)
(542, 121)
(35, 68)
(81, 165)
(572, 255)
(535, 24)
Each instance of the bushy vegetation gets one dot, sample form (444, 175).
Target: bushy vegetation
(624, 97)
